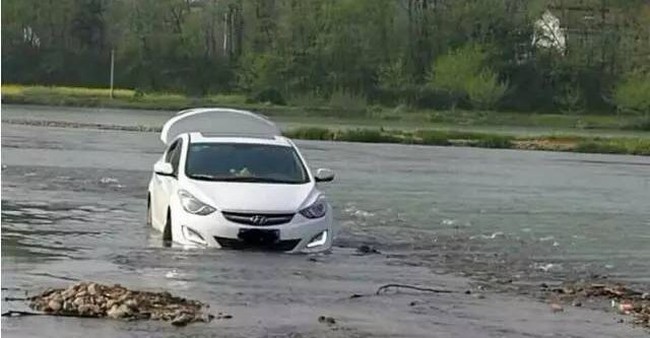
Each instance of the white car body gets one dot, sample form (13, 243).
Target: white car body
(210, 211)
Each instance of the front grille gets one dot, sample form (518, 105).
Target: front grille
(258, 219)
(237, 244)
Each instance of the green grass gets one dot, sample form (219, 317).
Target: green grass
(614, 146)
(572, 143)
(343, 107)
(486, 129)
(123, 98)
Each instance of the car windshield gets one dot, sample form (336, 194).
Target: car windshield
(242, 162)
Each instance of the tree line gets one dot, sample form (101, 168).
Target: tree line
(439, 54)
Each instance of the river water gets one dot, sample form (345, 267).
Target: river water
(73, 208)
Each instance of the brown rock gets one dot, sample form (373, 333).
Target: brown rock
(182, 319)
(92, 289)
(69, 306)
(122, 298)
(54, 305)
(111, 303)
(69, 293)
(120, 311)
(131, 303)
(78, 301)
(81, 286)
(89, 310)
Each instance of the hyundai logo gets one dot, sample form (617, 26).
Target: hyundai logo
(259, 220)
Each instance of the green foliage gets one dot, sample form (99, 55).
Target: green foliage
(260, 72)
(393, 76)
(485, 90)
(454, 70)
(311, 133)
(462, 72)
(366, 135)
(269, 95)
(633, 93)
(348, 101)
(570, 99)
(615, 146)
(623, 145)
(423, 54)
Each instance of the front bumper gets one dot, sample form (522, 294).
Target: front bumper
(219, 232)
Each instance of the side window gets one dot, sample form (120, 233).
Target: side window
(170, 151)
(176, 156)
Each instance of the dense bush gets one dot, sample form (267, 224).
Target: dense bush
(633, 93)
(348, 53)
(463, 73)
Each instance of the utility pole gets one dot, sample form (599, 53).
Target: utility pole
(112, 69)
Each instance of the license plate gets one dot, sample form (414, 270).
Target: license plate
(259, 237)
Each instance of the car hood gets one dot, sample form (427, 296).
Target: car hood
(253, 197)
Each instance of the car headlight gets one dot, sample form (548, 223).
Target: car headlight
(317, 210)
(192, 205)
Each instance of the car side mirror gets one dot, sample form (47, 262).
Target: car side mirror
(324, 175)
(163, 168)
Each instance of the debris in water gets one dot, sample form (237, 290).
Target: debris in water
(492, 236)
(546, 267)
(448, 222)
(367, 250)
(556, 307)
(327, 320)
(87, 299)
(623, 299)
(626, 308)
(412, 287)
(108, 180)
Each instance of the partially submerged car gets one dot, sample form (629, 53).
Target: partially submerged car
(229, 179)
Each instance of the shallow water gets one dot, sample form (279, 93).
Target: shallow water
(73, 208)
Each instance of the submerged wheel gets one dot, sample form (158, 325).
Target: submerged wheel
(167, 231)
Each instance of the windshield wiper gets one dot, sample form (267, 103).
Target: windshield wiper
(252, 179)
(255, 179)
(204, 177)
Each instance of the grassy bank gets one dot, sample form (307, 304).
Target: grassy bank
(566, 143)
(341, 112)
(406, 127)
(611, 145)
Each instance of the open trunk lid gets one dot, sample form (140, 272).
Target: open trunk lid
(213, 122)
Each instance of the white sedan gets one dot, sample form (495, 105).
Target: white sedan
(228, 179)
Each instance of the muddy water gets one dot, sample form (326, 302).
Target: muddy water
(73, 204)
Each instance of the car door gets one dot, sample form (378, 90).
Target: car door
(165, 185)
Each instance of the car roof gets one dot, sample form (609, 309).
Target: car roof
(197, 137)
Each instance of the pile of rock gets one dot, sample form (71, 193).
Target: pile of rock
(88, 299)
